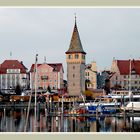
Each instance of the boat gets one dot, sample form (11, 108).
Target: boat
(125, 99)
(131, 106)
(104, 105)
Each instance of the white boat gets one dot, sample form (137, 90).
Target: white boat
(132, 106)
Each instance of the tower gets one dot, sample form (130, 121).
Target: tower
(75, 58)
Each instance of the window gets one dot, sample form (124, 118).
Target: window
(73, 67)
(73, 84)
(73, 75)
(69, 56)
(83, 56)
(76, 56)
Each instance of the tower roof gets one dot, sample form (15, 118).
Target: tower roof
(75, 44)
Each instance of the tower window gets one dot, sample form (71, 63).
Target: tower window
(69, 56)
(83, 56)
(76, 56)
(73, 84)
(73, 75)
(73, 67)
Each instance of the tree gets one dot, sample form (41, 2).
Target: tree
(18, 90)
(88, 94)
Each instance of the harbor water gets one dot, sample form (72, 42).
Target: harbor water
(15, 120)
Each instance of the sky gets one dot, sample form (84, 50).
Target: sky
(104, 32)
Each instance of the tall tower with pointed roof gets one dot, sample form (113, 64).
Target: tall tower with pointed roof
(75, 58)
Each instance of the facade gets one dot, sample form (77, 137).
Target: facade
(47, 75)
(75, 58)
(13, 73)
(91, 75)
(126, 74)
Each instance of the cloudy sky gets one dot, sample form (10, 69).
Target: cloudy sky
(105, 33)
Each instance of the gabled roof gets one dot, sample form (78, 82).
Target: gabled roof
(75, 44)
(124, 66)
(12, 64)
(55, 66)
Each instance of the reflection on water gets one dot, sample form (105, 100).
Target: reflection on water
(14, 121)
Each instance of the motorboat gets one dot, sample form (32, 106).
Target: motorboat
(105, 105)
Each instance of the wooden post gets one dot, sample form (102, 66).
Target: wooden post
(132, 117)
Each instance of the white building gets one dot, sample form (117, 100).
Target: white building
(13, 73)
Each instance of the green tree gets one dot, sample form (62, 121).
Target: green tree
(88, 94)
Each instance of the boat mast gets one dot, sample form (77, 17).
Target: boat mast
(35, 125)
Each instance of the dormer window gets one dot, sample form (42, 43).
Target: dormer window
(133, 71)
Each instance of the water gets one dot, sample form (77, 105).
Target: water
(14, 120)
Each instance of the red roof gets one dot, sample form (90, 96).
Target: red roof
(12, 64)
(55, 66)
(124, 66)
(32, 67)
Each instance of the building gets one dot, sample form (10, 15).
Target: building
(13, 73)
(75, 58)
(91, 75)
(102, 77)
(126, 74)
(47, 75)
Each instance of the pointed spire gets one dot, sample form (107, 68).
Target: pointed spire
(75, 20)
(75, 44)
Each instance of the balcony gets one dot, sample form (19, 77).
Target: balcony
(44, 77)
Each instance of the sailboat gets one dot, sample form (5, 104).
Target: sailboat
(35, 104)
